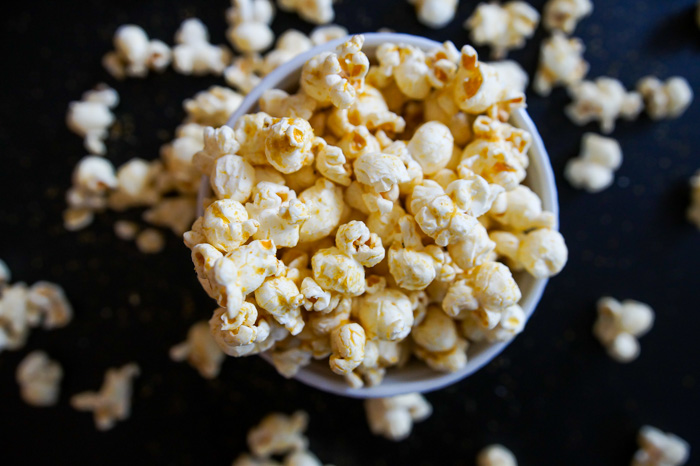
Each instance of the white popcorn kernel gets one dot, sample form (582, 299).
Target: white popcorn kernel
(693, 212)
(324, 202)
(244, 72)
(290, 44)
(178, 157)
(357, 142)
(232, 178)
(493, 286)
(502, 27)
(49, 303)
(150, 241)
(278, 103)
(249, 22)
(333, 270)
(437, 332)
(92, 116)
(394, 417)
(176, 213)
(39, 379)
(660, 449)
(386, 315)
(250, 132)
(200, 351)
(316, 298)
(507, 245)
(226, 225)
(474, 249)
(278, 212)
(288, 144)
(496, 455)
(5, 274)
(408, 66)
(94, 174)
(16, 317)
(313, 11)
(323, 34)
(543, 252)
(511, 75)
(193, 53)
(431, 146)
(669, 99)
(561, 63)
(134, 54)
(288, 362)
(331, 162)
(212, 107)
(348, 345)
(435, 13)
(511, 323)
(380, 171)
(113, 402)
(280, 297)
(238, 332)
(620, 324)
(520, 210)
(355, 240)
(594, 168)
(137, 184)
(564, 15)
(278, 434)
(604, 100)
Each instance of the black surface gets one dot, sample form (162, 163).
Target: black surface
(553, 397)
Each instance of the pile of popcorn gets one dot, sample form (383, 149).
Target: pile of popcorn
(375, 214)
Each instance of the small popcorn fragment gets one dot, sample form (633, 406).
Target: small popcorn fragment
(657, 448)
(92, 116)
(313, 11)
(200, 351)
(249, 22)
(693, 212)
(435, 14)
(113, 402)
(193, 54)
(561, 63)
(594, 168)
(496, 455)
(603, 100)
(564, 15)
(502, 27)
(393, 417)
(665, 100)
(150, 241)
(48, 304)
(619, 324)
(39, 379)
(135, 54)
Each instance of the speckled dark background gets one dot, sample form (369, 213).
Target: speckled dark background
(553, 397)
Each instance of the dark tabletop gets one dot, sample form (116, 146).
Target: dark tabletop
(554, 397)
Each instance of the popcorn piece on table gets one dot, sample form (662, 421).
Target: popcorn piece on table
(249, 22)
(125, 230)
(693, 212)
(435, 13)
(92, 116)
(502, 27)
(135, 54)
(48, 304)
(39, 379)
(668, 99)
(193, 53)
(496, 455)
(150, 241)
(278, 434)
(394, 417)
(322, 34)
(244, 72)
(564, 15)
(604, 100)
(113, 402)
(313, 11)
(212, 107)
(138, 184)
(200, 351)
(561, 63)
(594, 168)
(93, 179)
(660, 449)
(620, 324)
(176, 213)
(438, 343)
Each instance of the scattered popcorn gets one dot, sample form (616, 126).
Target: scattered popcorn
(125, 230)
(313, 11)
(603, 100)
(323, 34)
(394, 417)
(135, 54)
(244, 73)
(212, 107)
(193, 53)
(435, 13)
(660, 449)
(693, 212)
(594, 168)
(176, 213)
(92, 116)
(113, 402)
(496, 455)
(668, 99)
(564, 15)
(502, 27)
(620, 324)
(289, 44)
(561, 63)
(249, 22)
(48, 304)
(39, 379)
(511, 74)
(150, 241)
(200, 350)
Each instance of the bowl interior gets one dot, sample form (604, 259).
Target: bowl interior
(415, 376)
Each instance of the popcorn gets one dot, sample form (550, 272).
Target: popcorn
(669, 99)
(435, 14)
(474, 249)
(565, 14)
(313, 11)
(134, 54)
(113, 402)
(323, 34)
(393, 417)
(278, 434)
(511, 323)
(520, 210)
(542, 252)
(386, 315)
(278, 212)
(604, 100)
(241, 331)
(93, 178)
(39, 379)
(511, 75)
(324, 202)
(212, 107)
(280, 297)
(200, 350)
(250, 132)
(561, 63)
(502, 27)
(693, 212)
(407, 65)
(358, 141)
(411, 267)
(15, 317)
(316, 298)
(431, 146)
(193, 53)
(176, 213)
(278, 103)
(290, 361)
(91, 117)
(348, 346)
(336, 271)
(137, 185)
(249, 22)
(496, 455)
(290, 44)
(594, 168)
(243, 74)
(150, 241)
(226, 225)
(288, 144)
(179, 154)
(48, 303)
(660, 449)
(331, 162)
(620, 324)
(232, 178)
(380, 171)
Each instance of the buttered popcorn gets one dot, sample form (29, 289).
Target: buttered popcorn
(393, 417)
(668, 99)
(39, 379)
(193, 54)
(561, 63)
(658, 448)
(619, 324)
(345, 227)
(135, 54)
(92, 116)
(503, 28)
(594, 168)
(564, 15)
(200, 351)
(603, 100)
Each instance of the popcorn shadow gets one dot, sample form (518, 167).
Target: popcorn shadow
(675, 32)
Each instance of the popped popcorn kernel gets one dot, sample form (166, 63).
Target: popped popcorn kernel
(278, 212)
(386, 315)
(150, 241)
(288, 144)
(358, 141)
(249, 22)
(244, 72)
(594, 168)
(250, 131)
(313, 11)
(324, 202)
(496, 455)
(431, 146)
(288, 362)
(289, 44)
(5, 274)
(693, 212)
(619, 324)
(331, 162)
(92, 116)
(176, 213)
(178, 157)
(520, 210)
(668, 99)
(137, 185)
(564, 15)
(39, 379)
(474, 249)
(135, 54)
(226, 225)
(242, 330)
(322, 34)
(113, 402)
(542, 252)
(348, 346)
(393, 417)
(561, 63)
(411, 267)
(49, 304)
(280, 297)
(503, 28)
(603, 100)
(193, 54)
(435, 13)
(278, 434)
(408, 67)
(336, 271)
(200, 351)
(511, 323)
(278, 103)
(212, 107)
(660, 449)
(233, 178)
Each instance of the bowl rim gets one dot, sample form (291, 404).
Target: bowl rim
(542, 169)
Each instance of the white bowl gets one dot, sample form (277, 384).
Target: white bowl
(415, 376)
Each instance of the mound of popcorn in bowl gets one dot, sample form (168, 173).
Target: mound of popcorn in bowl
(374, 216)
